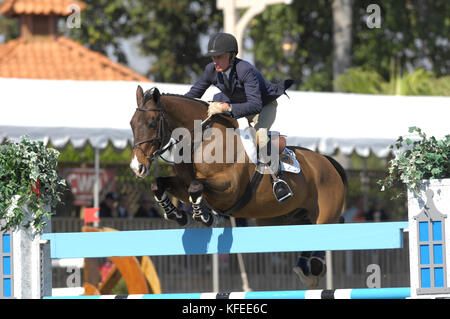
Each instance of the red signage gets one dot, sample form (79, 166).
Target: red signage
(82, 180)
(91, 215)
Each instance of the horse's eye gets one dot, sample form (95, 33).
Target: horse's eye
(152, 125)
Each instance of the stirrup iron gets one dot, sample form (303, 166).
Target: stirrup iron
(283, 185)
(278, 184)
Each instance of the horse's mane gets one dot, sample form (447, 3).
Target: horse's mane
(187, 98)
(225, 120)
(149, 93)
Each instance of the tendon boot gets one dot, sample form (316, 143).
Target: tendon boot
(171, 212)
(281, 189)
(202, 213)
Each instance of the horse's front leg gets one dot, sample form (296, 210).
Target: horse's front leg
(160, 187)
(201, 212)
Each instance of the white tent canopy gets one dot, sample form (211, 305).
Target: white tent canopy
(99, 113)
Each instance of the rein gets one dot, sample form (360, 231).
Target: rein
(161, 134)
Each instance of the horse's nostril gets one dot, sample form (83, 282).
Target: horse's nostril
(141, 169)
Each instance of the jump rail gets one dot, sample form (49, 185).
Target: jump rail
(427, 226)
(237, 240)
(227, 240)
(364, 293)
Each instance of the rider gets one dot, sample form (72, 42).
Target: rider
(244, 93)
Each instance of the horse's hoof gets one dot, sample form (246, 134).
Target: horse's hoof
(309, 270)
(307, 280)
(180, 216)
(317, 266)
(184, 220)
(211, 220)
(205, 218)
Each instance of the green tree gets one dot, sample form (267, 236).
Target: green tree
(9, 28)
(309, 24)
(103, 24)
(170, 33)
(413, 35)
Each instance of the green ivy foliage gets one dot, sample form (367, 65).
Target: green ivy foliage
(28, 182)
(416, 160)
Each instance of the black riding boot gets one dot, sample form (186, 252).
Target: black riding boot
(281, 189)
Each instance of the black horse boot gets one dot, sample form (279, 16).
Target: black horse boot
(281, 189)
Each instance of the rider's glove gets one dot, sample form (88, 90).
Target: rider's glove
(218, 107)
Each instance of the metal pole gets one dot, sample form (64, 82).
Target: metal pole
(215, 272)
(96, 181)
(329, 263)
(245, 286)
(365, 185)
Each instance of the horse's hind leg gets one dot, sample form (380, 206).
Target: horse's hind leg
(159, 188)
(311, 265)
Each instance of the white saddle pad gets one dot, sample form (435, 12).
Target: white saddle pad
(288, 161)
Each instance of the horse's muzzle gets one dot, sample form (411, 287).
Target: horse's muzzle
(141, 170)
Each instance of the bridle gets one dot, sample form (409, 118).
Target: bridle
(161, 125)
(162, 134)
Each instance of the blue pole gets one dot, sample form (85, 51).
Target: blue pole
(368, 293)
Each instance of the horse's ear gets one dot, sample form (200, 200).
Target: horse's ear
(156, 95)
(139, 96)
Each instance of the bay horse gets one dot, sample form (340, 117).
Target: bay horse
(227, 187)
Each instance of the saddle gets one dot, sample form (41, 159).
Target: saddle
(288, 161)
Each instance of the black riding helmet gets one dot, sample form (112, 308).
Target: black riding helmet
(221, 43)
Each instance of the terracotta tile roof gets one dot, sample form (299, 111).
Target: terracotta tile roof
(42, 7)
(60, 59)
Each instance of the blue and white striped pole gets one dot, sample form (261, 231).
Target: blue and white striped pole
(363, 293)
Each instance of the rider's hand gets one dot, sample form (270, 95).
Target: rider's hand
(217, 107)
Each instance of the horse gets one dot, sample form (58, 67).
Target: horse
(228, 185)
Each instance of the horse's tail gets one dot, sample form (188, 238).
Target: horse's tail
(343, 175)
(340, 170)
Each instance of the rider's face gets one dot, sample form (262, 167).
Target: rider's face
(222, 62)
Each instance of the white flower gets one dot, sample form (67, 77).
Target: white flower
(10, 210)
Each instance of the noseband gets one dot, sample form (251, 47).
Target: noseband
(160, 136)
